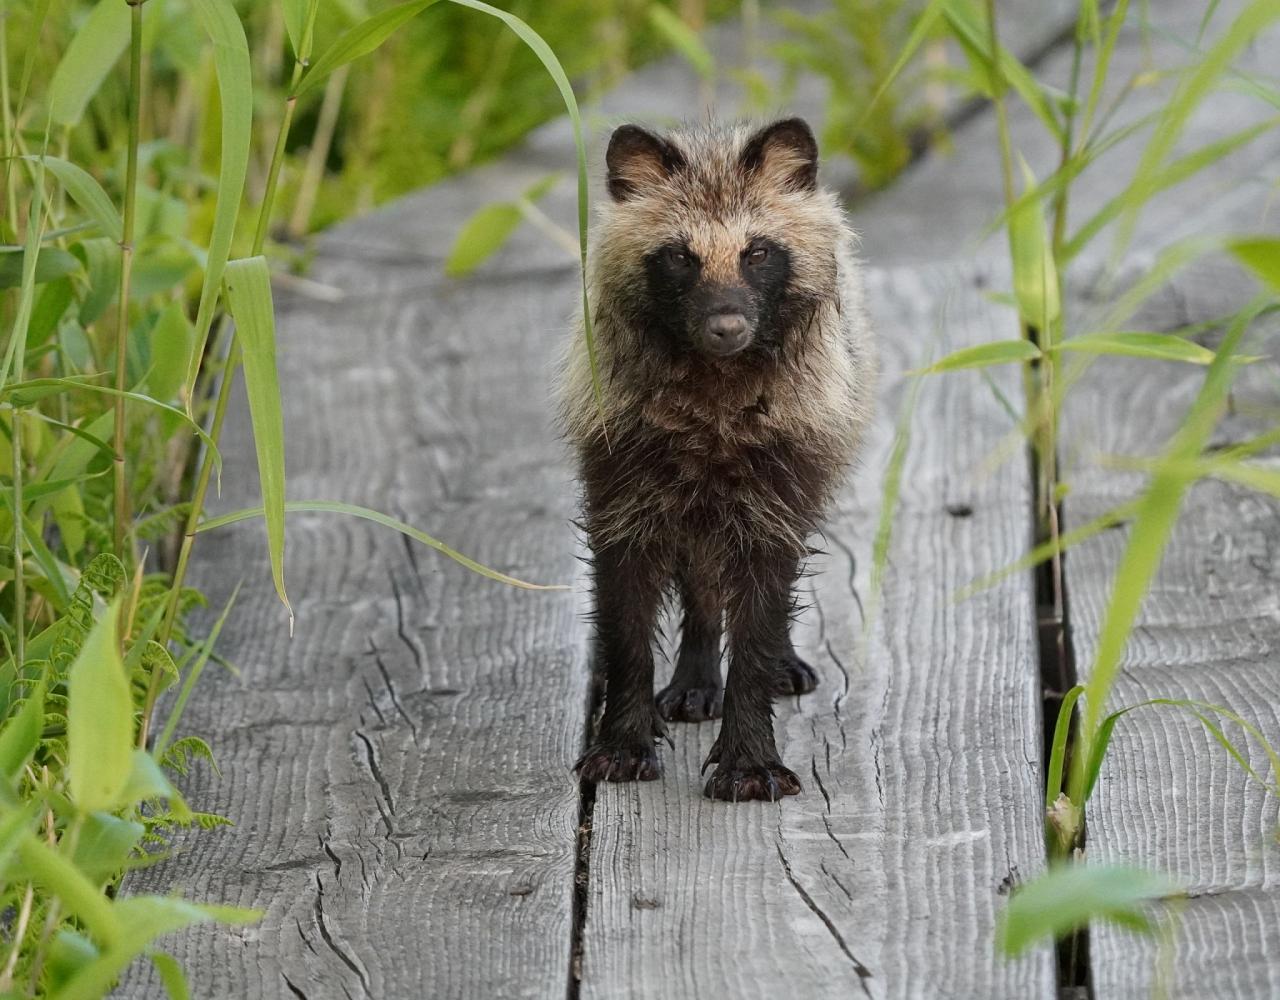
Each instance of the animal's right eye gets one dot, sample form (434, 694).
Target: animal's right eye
(678, 258)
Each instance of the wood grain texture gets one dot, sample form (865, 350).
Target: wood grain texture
(919, 751)
(399, 772)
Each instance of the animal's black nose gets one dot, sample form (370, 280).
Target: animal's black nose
(725, 333)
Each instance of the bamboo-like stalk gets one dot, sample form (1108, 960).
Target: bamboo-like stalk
(11, 187)
(121, 510)
(224, 392)
(19, 542)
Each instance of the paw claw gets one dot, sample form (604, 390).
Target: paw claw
(794, 676)
(699, 704)
(607, 763)
(747, 782)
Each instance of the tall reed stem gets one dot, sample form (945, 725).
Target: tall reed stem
(126, 269)
(228, 376)
(19, 543)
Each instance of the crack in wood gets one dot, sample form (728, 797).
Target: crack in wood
(863, 972)
(386, 804)
(323, 925)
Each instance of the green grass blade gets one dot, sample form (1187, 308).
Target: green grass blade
(1153, 523)
(295, 21)
(86, 192)
(94, 49)
(359, 41)
(968, 28)
(21, 733)
(235, 90)
(925, 23)
(194, 671)
(248, 284)
(99, 719)
(1139, 344)
(1061, 730)
(1069, 896)
(997, 352)
(1261, 255)
(326, 506)
(16, 351)
(1194, 87)
(24, 393)
(1047, 550)
(482, 236)
(1035, 277)
(1178, 171)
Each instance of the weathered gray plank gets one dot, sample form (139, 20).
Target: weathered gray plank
(920, 757)
(399, 771)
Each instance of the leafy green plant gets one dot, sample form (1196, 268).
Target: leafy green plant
(121, 320)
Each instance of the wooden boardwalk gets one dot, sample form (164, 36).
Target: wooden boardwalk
(399, 771)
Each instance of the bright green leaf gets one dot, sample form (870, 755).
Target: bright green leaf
(997, 352)
(1133, 344)
(86, 192)
(481, 236)
(51, 264)
(1261, 255)
(171, 341)
(360, 40)
(93, 50)
(235, 92)
(105, 844)
(1070, 896)
(1035, 276)
(21, 733)
(248, 284)
(99, 719)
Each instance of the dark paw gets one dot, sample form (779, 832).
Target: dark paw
(744, 782)
(698, 704)
(607, 763)
(794, 676)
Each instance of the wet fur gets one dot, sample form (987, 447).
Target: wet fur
(707, 476)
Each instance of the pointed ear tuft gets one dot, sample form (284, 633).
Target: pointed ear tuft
(638, 161)
(784, 153)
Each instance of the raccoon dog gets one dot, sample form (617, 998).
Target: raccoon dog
(735, 369)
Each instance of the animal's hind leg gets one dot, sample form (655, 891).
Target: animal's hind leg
(696, 692)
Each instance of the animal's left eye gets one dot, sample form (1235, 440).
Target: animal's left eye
(757, 255)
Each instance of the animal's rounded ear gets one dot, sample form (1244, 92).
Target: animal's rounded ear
(784, 153)
(638, 160)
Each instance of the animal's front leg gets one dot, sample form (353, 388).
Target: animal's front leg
(758, 608)
(629, 584)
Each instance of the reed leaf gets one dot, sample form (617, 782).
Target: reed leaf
(248, 285)
(997, 352)
(328, 506)
(235, 92)
(94, 49)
